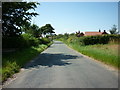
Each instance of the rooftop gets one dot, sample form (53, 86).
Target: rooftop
(93, 33)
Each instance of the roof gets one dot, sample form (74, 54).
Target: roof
(93, 33)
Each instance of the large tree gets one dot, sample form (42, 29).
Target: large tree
(15, 15)
(113, 30)
(43, 30)
(26, 27)
(47, 29)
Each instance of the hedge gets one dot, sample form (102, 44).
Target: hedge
(25, 40)
(91, 40)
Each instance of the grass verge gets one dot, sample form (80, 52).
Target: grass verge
(12, 62)
(106, 53)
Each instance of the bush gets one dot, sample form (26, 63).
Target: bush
(30, 40)
(12, 62)
(25, 40)
(114, 38)
(72, 39)
(12, 42)
(45, 40)
(91, 40)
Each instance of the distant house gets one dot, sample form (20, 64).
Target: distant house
(80, 34)
(95, 33)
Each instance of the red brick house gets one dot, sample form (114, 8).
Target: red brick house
(78, 34)
(95, 33)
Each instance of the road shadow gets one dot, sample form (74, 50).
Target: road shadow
(46, 59)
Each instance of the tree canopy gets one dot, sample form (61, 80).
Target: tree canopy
(15, 15)
(47, 29)
(35, 30)
(113, 30)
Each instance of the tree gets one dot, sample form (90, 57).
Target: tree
(58, 36)
(15, 15)
(26, 27)
(32, 29)
(47, 29)
(35, 31)
(113, 30)
(43, 30)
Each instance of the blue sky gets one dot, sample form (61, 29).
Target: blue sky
(73, 16)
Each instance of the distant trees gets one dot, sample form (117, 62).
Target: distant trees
(15, 15)
(58, 36)
(37, 31)
(113, 30)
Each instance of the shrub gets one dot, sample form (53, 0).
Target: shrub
(25, 40)
(12, 42)
(45, 40)
(114, 38)
(71, 39)
(91, 40)
(30, 40)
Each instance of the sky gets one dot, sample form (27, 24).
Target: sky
(69, 17)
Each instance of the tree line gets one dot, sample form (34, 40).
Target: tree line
(37, 31)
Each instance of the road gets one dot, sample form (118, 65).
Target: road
(61, 67)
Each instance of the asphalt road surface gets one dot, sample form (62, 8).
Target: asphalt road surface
(61, 67)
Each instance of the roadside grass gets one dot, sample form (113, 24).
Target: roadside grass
(12, 62)
(107, 53)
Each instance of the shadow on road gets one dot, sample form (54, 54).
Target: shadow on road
(46, 59)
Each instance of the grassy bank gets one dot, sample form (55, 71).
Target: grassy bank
(107, 53)
(102, 47)
(12, 62)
